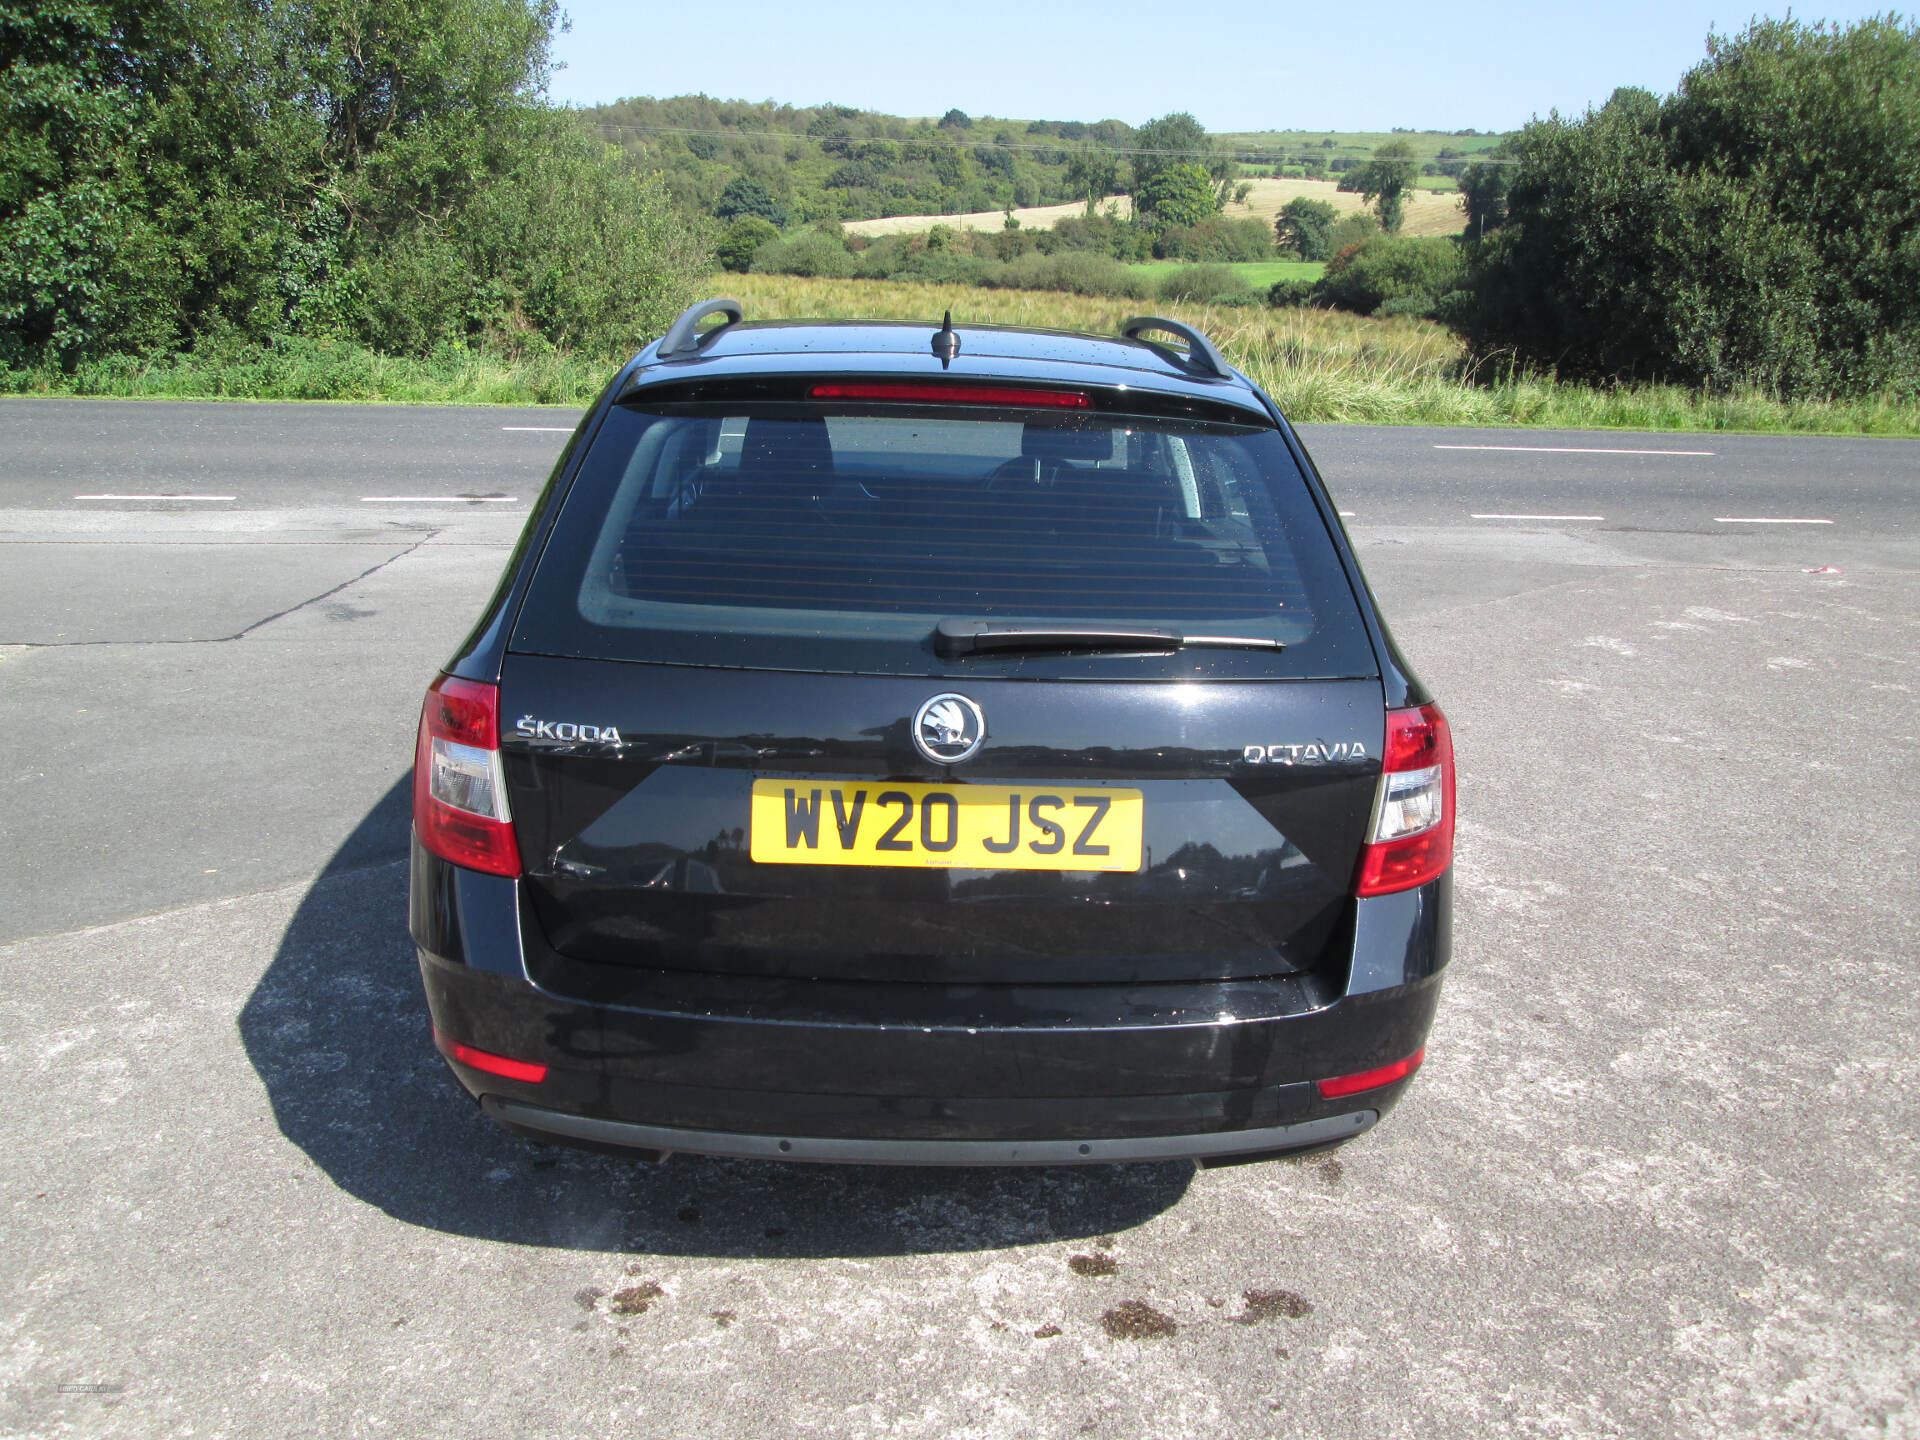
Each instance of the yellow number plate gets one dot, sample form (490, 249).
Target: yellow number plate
(968, 827)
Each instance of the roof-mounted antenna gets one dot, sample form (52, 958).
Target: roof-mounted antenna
(946, 341)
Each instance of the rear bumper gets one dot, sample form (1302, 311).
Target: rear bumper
(654, 1061)
(660, 1141)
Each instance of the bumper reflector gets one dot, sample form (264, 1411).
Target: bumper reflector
(526, 1070)
(1370, 1079)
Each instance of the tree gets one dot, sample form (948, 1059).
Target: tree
(745, 195)
(1483, 194)
(1175, 195)
(1093, 173)
(1306, 226)
(1385, 179)
(1754, 229)
(955, 120)
(382, 170)
(135, 197)
(1176, 139)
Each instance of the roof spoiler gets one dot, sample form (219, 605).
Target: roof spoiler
(684, 337)
(1201, 354)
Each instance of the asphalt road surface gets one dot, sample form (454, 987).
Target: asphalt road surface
(1658, 1177)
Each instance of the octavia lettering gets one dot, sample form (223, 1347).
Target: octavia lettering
(975, 827)
(1316, 752)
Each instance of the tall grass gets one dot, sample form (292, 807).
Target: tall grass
(1320, 365)
(1330, 366)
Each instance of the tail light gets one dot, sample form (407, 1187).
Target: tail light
(459, 793)
(1412, 839)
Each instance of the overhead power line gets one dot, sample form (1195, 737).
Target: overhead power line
(1226, 150)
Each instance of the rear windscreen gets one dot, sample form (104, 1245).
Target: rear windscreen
(792, 536)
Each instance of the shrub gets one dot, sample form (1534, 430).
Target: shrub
(1208, 285)
(1350, 231)
(1391, 269)
(941, 267)
(1100, 233)
(808, 253)
(1218, 239)
(570, 249)
(1290, 293)
(1076, 271)
(742, 240)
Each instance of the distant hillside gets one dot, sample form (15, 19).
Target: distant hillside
(832, 162)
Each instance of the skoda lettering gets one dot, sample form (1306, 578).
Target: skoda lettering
(565, 730)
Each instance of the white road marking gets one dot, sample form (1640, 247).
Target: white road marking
(1572, 450)
(437, 499)
(1765, 520)
(1346, 515)
(156, 497)
(1538, 517)
(542, 429)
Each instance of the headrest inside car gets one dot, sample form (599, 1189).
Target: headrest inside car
(1054, 442)
(788, 446)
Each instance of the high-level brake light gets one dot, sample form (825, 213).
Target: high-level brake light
(1412, 839)
(459, 793)
(923, 393)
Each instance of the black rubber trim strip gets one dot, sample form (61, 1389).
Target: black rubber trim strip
(665, 1139)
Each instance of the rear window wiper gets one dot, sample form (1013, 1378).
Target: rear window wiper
(956, 638)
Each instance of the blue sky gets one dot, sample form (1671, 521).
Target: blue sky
(1237, 66)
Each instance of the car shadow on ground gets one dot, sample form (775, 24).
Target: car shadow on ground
(337, 1031)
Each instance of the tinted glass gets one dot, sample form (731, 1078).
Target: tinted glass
(785, 536)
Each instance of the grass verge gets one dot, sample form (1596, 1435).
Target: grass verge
(1319, 365)
(297, 369)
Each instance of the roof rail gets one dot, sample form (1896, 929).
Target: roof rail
(1201, 354)
(684, 338)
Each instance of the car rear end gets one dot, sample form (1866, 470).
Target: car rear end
(990, 766)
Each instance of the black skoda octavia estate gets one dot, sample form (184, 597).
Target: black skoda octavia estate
(914, 746)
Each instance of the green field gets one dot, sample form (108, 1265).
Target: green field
(1258, 273)
(1259, 149)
